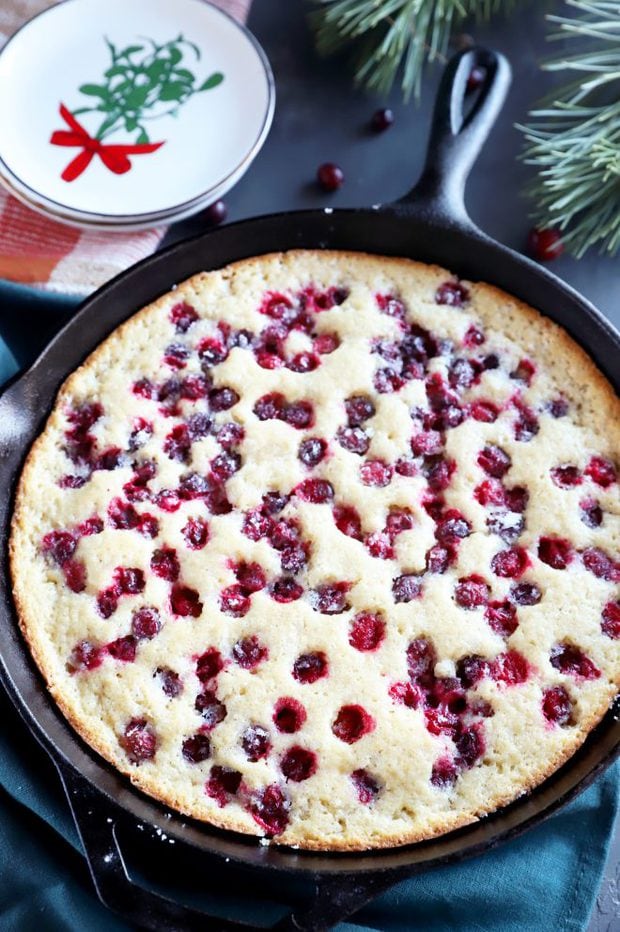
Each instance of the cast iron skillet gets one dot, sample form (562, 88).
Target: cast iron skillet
(429, 224)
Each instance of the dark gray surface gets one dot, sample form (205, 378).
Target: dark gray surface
(319, 117)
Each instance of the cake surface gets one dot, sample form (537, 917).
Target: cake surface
(324, 546)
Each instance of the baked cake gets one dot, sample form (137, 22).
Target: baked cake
(323, 547)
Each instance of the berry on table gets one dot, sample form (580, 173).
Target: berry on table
(215, 214)
(544, 245)
(330, 176)
(382, 119)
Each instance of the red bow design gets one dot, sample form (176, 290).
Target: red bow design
(114, 156)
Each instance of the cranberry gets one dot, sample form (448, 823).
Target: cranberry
(484, 411)
(85, 656)
(123, 648)
(289, 715)
(426, 443)
(299, 415)
(215, 214)
(544, 245)
(330, 176)
(471, 669)
(473, 337)
(452, 527)
(168, 500)
(72, 482)
(269, 808)
(326, 343)
(285, 590)
(274, 502)
(250, 577)
(463, 373)
(182, 315)
(249, 652)
(209, 664)
(367, 631)
(312, 451)
(359, 409)
(382, 119)
(308, 668)
(234, 601)
(494, 461)
(439, 558)
(170, 682)
(196, 533)
(444, 773)
(60, 546)
(557, 706)
(366, 786)
(610, 624)
(144, 388)
(165, 564)
(107, 602)
(352, 723)
(178, 442)
(196, 748)
(502, 618)
(470, 746)
(405, 694)
(380, 545)
(256, 525)
(517, 498)
(510, 668)
(194, 387)
(471, 592)
(348, 522)
(600, 564)
(570, 660)
(421, 660)
(138, 741)
(508, 525)
(591, 513)
(511, 563)
(387, 380)
(525, 594)
(225, 465)
(315, 491)
(128, 580)
(565, 477)
(298, 764)
(438, 472)
(475, 79)
(440, 721)
(558, 407)
(526, 427)
(255, 742)
(210, 708)
(185, 601)
(304, 362)
(353, 439)
(490, 492)
(556, 552)
(223, 783)
(524, 372)
(145, 623)
(454, 294)
(230, 435)
(330, 598)
(601, 471)
(293, 559)
(407, 587)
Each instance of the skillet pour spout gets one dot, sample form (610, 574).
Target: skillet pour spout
(429, 224)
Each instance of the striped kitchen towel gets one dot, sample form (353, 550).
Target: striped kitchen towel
(48, 255)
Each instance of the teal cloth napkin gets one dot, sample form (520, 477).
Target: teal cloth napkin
(546, 880)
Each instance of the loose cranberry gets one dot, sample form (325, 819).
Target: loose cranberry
(484, 411)
(544, 245)
(376, 473)
(407, 587)
(351, 723)
(255, 742)
(421, 660)
(312, 451)
(359, 409)
(470, 746)
(107, 602)
(471, 669)
(289, 715)
(610, 624)
(510, 668)
(330, 176)
(315, 491)
(234, 601)
(565, 477)
(123, 648)
(591, 513)
(471, 592)
(215, 214)
(165, 564)
(85, 656)
(285, 590)
(249, 652)
(557, 706)
(330, 598)
(348, 521)
(454, 294)
(185, 601)
(210, 708)
(525, 594)
(308, 668)
(405, 694)
(556, 552)
(170, 682)
(223, 783)
(601, 471)
(511, 563)
(570, 660)
(494, 461)
(367, 631)
(298, 764)
(444, 773)
(353, 439)
(502, 618)
(138, 741)
(600, 564)
(439, 558)
(269, 808)
(382, 119)
(475, 79)
(366, 786)
(59, 545)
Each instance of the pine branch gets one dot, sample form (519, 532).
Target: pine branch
(394, 35)
(573, 137)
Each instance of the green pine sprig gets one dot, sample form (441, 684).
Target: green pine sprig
(573, 136)
(392, 36)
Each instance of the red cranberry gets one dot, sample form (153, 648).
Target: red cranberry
(230, 435)
(196, 533)
(565, 477)
(138, 741)
(439, 558)
(225, 465)
(330, 176)
(210, 708)
(507, 525)
(382, 119)
(145, 623)
(475, 79)
(215, 214)
(471, 669)
(308, 668)
(511, 563)
(387, 380)
(72, 482)
(269, 808)
(196, 748)
(299, 415)
(600, 564)
(556, 552)
(440, 721)
(557, 706)
(128, 580)
(502, 618)
(426, 443)
(85, 656)
(359, 409)
(352, 723)
(367, 631)
(249, 652)
(376, 473)
(289, 715)
(610, 624)
(570, 660)
(524, 372)
(330, 598)
(473, 337)
(234, 601)
(591, 513)
(405, 694)
(510, 668)
(526, 427)
(256, 742)
(544, 245)
(421, 660)
(183, 316)
(256, 525)
(223, 783)
(452, 527)
(470, 746)
(250, 577)
(293, 559)
(348, 522)
(601, 471)
(525, 594)
(366, 786)
(407, 587)
(304, 362)
(380, 545)
(107, 602)
(170, 682)
(209, 664)
(60, 546)
(454, 294)
(123, 648)
(165, 564)
(285, 590)
(353, 439)
(312, 451)
(490, 492)
(484, 411)
(444, 773)
(315, 491)
(471, 592)
(558, 407)
(495, 461)
(326, 343)
(168, 500)
(185, 601)
(298, 764)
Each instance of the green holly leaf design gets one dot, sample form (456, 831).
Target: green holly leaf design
(182, 74)
(176, 90)
(212, 81)
(94, 90)
(142, 136)
(130, 50)
(136, 97)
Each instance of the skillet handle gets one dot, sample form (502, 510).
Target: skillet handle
(456, 139)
